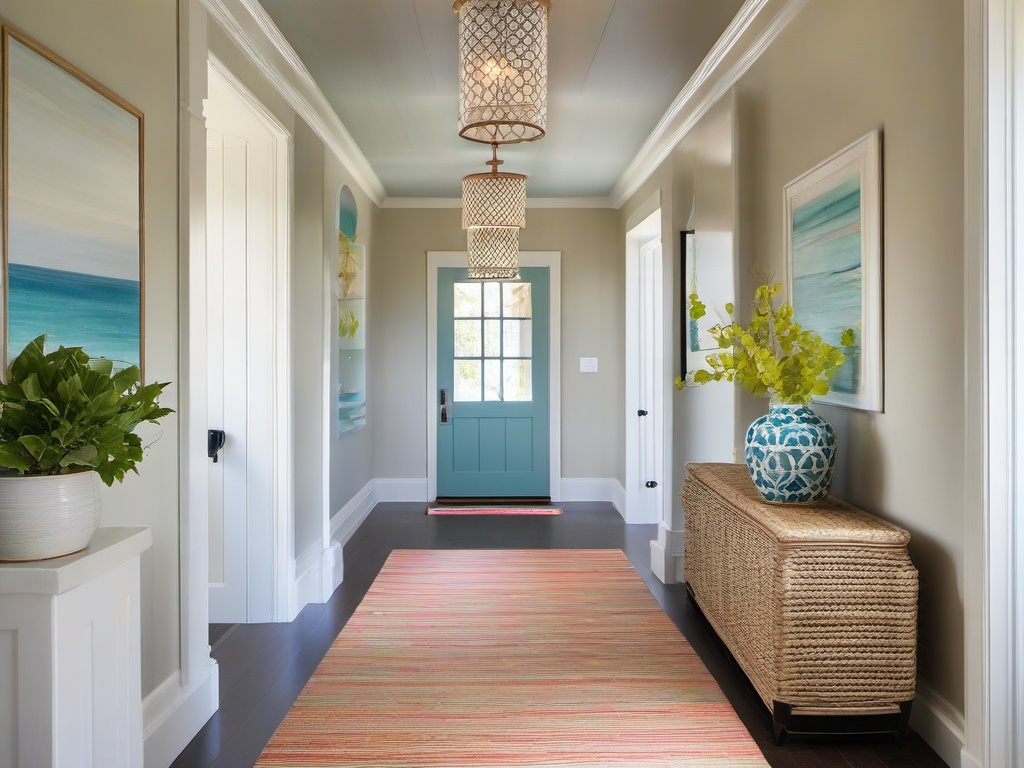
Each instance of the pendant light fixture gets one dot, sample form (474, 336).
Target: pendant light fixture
(503, 69)
(493, 212)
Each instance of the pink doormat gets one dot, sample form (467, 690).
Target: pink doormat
(493, 511)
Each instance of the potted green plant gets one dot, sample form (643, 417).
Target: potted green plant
(67, 422)
(790, 452)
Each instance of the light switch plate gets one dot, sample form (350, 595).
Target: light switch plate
(588, 365)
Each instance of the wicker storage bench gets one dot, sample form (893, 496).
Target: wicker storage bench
(817, 603)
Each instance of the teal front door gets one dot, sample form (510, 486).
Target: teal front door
(492, 361)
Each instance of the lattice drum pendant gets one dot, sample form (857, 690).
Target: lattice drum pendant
(503, 69)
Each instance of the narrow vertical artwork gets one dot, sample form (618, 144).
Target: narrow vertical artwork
(351, 308)
(73, 247)
(833, 263)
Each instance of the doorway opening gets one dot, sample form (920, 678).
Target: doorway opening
(648, 409)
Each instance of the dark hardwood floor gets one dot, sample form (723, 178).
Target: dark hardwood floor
(263, 667)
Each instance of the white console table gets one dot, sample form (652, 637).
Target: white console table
(70, 670)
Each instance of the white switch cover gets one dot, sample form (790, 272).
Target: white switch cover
(588, 365)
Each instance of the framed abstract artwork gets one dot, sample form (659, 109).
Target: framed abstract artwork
(73, 241)
(834, 264)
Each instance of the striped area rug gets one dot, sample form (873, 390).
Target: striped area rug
(494, 510)
(524, 658)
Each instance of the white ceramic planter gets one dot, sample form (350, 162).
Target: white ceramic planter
(47, 516)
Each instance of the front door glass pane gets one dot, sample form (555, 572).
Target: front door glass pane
(493, 342)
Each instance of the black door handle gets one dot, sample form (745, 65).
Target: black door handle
(215, 439)
(652, 483)
(641, 412)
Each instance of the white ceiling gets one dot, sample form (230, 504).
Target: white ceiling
(389, 70)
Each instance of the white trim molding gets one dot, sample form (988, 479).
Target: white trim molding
(752, 30)
(604, 489)
(347, 520)
(318, 572)
(173, 713)
(252, 30)
(938, 722)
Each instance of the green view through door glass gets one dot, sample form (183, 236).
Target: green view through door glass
(467, 381)
(467, 300)
(467, 338)
(518, 380)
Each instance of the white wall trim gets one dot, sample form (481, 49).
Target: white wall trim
(938, 722)
(752, 30)
(532, 202)
(348, 519)
(318, 573)
(604, 489)
(553, 261)
(174, 713)
(994, 64)
(252, 30)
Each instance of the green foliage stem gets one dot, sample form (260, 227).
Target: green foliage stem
(65, 412)
(773, 355)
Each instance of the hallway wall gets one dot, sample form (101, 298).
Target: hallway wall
(838, 71)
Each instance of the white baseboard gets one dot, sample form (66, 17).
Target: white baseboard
(318, 572)
(347, 519)
(939, 723)
(173, 715)
(969, 761)
(401, 489)
(606, 489)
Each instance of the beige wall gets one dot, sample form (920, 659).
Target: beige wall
(590, 241)
(131, 48)
(838, 71)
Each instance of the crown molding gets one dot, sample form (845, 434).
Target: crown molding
(254, 32)
(752, 30)
(531, 202)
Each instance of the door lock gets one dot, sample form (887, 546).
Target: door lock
(641, 412)
(651, 483)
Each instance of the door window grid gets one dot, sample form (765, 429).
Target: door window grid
(493, 349)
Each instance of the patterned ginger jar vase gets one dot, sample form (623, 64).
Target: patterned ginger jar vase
(790, 453)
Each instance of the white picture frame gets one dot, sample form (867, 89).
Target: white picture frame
(833, 264)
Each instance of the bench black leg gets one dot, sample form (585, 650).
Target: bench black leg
(904, 722)
(780, 719)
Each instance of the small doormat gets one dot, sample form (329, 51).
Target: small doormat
(493, 510)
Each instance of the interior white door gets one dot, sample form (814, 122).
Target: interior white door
(650, 368)
(241, 369)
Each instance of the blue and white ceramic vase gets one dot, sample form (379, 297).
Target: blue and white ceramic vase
(791, 452)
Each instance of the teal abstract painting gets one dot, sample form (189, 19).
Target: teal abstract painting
(74, 245)
(827, 271)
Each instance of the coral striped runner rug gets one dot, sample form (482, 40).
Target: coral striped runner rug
(524, 658)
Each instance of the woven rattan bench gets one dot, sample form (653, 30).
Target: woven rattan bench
(817, 603)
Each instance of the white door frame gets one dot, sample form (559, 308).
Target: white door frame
(281, 595)
(994, 434)
(553, 261)
(638, 235)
